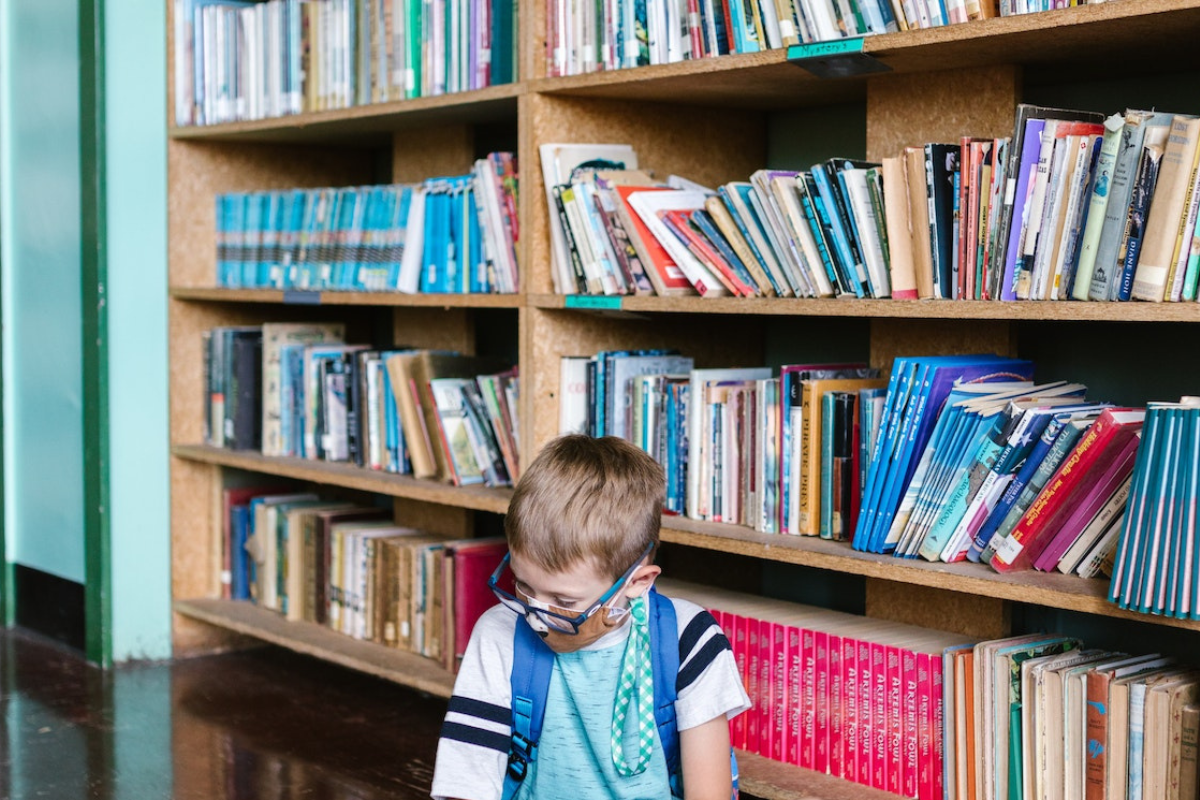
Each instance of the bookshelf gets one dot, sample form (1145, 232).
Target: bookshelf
(710, 120)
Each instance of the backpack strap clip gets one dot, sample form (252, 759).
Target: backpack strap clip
(521, 752)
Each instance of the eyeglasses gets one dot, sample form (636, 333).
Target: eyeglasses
(558, 622)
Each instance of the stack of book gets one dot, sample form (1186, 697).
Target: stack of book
(355, 570)
(453, 234)
(1072, 206)
(615, 34)
(1156, 564)
(295, 389)
(238, 60)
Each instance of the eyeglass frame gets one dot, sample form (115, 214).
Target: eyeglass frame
(550, 618)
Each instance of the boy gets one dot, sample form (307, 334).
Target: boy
(582, 529)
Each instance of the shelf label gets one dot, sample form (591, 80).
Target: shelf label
(301, 297)
(838, 58)
(593, 301)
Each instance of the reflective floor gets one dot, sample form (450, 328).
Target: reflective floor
(263, 724)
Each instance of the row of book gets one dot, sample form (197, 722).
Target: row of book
(1071, 206)
(928, 714)
(453, 234)
(238, 60)
(296, 390)
(355, 570)
(950, 458)
(590, 35)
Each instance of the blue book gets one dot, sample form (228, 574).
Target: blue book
(701, 219)
(1172, 602)
(806, 187)
(1152, 567)
(1126, 565)
(434, 253)
(479, 281)
(828, 415)
(224, 218)
(745, 37)
(843, 243)
(251, 226)
(899, 385)
(240, 562)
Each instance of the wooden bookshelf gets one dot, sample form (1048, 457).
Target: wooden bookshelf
(719, 124)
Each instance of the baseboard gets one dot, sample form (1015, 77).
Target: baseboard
(50, 605)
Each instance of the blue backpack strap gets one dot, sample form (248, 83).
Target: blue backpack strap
(664, 643)
(533, 662)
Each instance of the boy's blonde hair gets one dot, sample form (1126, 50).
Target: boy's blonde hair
(587, 499)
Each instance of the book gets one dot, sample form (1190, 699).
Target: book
(1155, 264)
(650, 206)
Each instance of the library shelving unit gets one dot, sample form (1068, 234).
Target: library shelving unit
(713, 121)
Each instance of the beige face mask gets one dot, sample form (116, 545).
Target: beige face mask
(598, 623)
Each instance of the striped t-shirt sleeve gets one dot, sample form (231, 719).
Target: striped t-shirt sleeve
(708, 684)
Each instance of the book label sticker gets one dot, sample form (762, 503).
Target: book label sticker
(592, 301)
(301, 298)
(839, 58)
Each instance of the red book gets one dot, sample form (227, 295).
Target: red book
(795, 702)
(808, 694)
(667, 277)
(866, 714)
(965, 181)
(924, 728)
(737, 626)
(1091, 499)
(895, 739)
(937, 726)
(1058, 498)
(851, 714)
(470, 562)
(879, 716)
(755, 712)
(821, 725)
(779, 690)
(837, 705)
(694, 240)
(910, 708)
(766, 687)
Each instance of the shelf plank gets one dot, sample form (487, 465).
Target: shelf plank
(398, 299)
(774, 780)
(367, 125)
(897, 309)
(759, 776)
(1050, 589)
(350, 476)
(319, 641)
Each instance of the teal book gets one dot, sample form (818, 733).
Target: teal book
(828, 404)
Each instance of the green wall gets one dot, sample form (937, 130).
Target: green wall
(39, 283)
(136, 188)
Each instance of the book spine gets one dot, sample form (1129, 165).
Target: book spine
(752, 687)
(738, 626)
(866, 714)
(835, 732)
(880, 760)
(924, 732)
(808, 695)
(1097, 735)
(911, 707)
(851, 710)
(821, 723)
(895, 716)
(795, 700)
(766, 688)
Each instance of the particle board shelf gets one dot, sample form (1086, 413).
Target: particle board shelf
(1153, 35)
(351, 477)
(305, 298)
(1050, 589)
(320, 642)
(367, 125)
(878, 309)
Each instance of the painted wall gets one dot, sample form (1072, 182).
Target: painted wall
(136, 100)
(39, 283)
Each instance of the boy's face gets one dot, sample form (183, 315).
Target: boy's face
(573, 589)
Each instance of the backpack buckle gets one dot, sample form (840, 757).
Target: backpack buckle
(520, 754)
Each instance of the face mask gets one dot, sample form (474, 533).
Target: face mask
(598, 623)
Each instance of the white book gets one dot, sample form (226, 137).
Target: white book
(696, 423)
(868, 230)
(573, 394)
(414, 244)
(558, 162)
(648, 206)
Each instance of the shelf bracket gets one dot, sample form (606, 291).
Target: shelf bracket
(839, 58)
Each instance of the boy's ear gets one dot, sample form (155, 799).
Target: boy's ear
(641, 580)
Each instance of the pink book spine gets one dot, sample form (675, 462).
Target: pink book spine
(852, 714)
(737, 624)
(895, 712)
(779, 689)
(866, 714)
(911, 708)
(821, 728)
(766, 690)
(924, 729)
(937, 725)
(795, 660)
(879, 716)
(753, 714)
(809, 698)
(837, 705)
